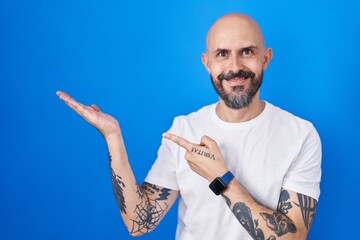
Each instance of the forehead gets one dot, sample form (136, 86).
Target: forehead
(234, 32)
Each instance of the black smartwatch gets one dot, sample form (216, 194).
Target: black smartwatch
(220, 183)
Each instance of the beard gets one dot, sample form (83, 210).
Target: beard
(238, 97)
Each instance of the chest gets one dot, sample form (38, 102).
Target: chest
(258, 158)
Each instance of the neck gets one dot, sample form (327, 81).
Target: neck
(240, 115)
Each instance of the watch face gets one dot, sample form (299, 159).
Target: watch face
(217, 186)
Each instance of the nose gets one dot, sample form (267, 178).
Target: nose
(236, 64)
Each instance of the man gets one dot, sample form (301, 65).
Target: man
(263, 162)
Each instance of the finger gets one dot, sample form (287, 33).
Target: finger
(66, 97)
(96, 108)
(182, 142)
(72, 103)
(208, 142)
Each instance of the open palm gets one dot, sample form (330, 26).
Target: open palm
(105, 123)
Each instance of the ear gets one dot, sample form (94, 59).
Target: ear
(205, 61)
(267, 58)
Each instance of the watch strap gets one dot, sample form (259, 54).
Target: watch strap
(227, 177)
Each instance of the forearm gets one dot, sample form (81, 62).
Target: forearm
(128, 193)
(260, 222)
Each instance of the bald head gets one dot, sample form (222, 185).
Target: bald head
(232, 26)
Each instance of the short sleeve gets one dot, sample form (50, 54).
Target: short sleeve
(304, 174)
(163, 171)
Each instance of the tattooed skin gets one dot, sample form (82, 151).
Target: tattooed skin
(228, 201)
(118, 186)
(202, 153)
(149, 212)
(278, 223)
(147, 217)
(284, 204)
(139, 191)
(243, 214)
(164, 194)
(308, 208)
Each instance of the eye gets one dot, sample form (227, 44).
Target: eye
(247, 52)
(222, 53)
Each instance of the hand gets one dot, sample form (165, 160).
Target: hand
(106, 124)
(205, 158)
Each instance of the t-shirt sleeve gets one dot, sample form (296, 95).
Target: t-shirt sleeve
(163, 171)
(305, 172)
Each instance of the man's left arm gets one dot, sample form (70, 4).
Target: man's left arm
(295, 211)
(291, 220)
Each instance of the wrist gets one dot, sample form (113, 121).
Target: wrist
(113, 137)
(219, 184)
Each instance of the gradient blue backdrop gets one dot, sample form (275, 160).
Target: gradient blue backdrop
(140, 61)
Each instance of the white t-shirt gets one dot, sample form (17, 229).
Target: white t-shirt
(272, 151)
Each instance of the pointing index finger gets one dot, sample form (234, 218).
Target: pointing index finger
(182, 142)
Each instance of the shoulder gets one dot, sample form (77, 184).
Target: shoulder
(285, 119)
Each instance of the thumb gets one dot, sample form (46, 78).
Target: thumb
(96, 108)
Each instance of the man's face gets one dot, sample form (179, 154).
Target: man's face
(235, 59)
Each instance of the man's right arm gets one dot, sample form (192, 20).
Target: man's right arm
(141, 207)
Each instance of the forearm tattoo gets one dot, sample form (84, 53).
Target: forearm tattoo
(308, 208)
(284, 204)
(202, 153)
(150, 210)
(306, 204)
(118, 186)
(243, 214)
(227, 200)
(276, 221)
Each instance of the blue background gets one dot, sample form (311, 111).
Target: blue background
(140, 62)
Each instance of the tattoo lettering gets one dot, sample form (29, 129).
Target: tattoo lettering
(308, 208)
(202, 153)
(284, 204)
(278, 223)
(243, 214)
(118, 186)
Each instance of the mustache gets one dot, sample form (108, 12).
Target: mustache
(239, 74)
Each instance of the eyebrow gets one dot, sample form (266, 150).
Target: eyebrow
(227, 50)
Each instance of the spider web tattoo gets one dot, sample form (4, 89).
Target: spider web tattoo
(147, 217)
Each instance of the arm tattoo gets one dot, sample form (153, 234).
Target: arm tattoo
(164, 194)
(284, 204)
(149, 212)
(118, 186)
(243, 214)
(228, 201)
(202, 153)
(278, 223)
(308, 208)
